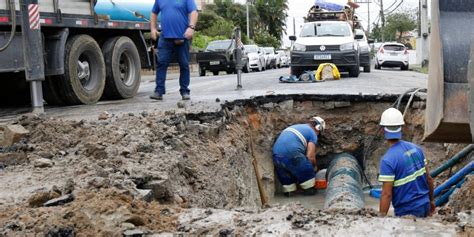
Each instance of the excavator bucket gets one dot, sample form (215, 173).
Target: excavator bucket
(448, 117)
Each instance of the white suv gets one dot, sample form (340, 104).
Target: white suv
(392, 55)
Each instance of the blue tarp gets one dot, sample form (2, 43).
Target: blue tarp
(323, 4)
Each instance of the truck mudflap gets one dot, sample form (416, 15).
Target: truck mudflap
(447, 114)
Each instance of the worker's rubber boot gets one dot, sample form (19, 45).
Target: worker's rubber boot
(309, 192)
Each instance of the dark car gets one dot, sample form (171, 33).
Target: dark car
(219, 56)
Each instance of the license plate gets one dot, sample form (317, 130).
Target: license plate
(394, 54)
(214, 63)
(322, 57)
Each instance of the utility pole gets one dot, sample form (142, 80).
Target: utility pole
(368, 17)
(424, 32)
(382, 16)
(248, 20)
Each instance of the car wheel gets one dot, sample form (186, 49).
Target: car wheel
(404, 68)
(354, 71)
(367, 68)
(296, 71)
(246, 68)
(202, 72)
(215, 73)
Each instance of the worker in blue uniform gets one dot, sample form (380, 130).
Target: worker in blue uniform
(294, 156)
(178, 20)
(407, 183)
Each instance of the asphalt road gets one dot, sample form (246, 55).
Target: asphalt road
(205, 91)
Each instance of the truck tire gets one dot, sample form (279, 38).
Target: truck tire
(215, 73)
(123, 68)
(51, 92)
(83, 81)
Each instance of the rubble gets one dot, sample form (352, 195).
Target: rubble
(11, 134)
(60, 200)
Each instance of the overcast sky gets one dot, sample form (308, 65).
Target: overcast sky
(299, 8)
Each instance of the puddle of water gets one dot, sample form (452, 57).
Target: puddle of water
(317, 201)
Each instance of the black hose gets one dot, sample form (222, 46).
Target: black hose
(13, 30)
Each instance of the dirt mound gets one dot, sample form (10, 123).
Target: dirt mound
(108, 212)
(462, 199)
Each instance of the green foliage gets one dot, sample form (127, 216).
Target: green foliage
(221, 27)
(206, 20)
(263, 38)
(396, 25)
(201, 41)
(272, 16)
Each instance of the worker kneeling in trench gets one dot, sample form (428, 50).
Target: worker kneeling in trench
(294, 156)
(406, 179)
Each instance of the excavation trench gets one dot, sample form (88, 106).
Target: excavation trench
(191, 160)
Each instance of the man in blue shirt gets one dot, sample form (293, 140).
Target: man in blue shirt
(403, 172)
(294, 156)
(178, 21)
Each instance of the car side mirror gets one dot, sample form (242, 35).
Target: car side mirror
(371, 41)
(292, 38)
(358, 37)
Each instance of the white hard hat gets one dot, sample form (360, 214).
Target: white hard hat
(392, 117)
(320, 124)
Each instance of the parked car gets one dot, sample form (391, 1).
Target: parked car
(325, 42)
(364, 50)
(284, 58)
(270, 57)
(392, 55)
(219, 56)
(256, 57)
(265, 56)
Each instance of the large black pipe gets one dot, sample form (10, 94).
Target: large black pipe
(344, 177)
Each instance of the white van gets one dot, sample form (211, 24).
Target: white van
(325, 42)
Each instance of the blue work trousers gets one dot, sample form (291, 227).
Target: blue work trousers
(166, 49)
(293, 170)
(422, 210)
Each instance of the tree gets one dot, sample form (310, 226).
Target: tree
(221, 27)
(400, 23)
(272, 14)
(265, 39)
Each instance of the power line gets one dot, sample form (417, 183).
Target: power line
(395, 8)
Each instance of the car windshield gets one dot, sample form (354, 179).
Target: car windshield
(326, 29)
(268, 50)
(251, 48)
(219, 45)
(281, 52)
(394, 47)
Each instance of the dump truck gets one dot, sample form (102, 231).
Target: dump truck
(450, 102)
(84, 55)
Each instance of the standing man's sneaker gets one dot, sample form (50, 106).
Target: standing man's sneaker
(186, 97)
(156, 96)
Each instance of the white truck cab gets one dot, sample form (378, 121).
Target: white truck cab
(325, 42)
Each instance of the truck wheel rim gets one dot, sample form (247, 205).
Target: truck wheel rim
(127, 69)
(83, 71)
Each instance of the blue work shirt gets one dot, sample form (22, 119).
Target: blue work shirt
(404, 165)
(291, 143)
(174, 16)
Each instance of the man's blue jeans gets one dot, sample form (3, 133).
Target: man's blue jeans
(166, 48)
